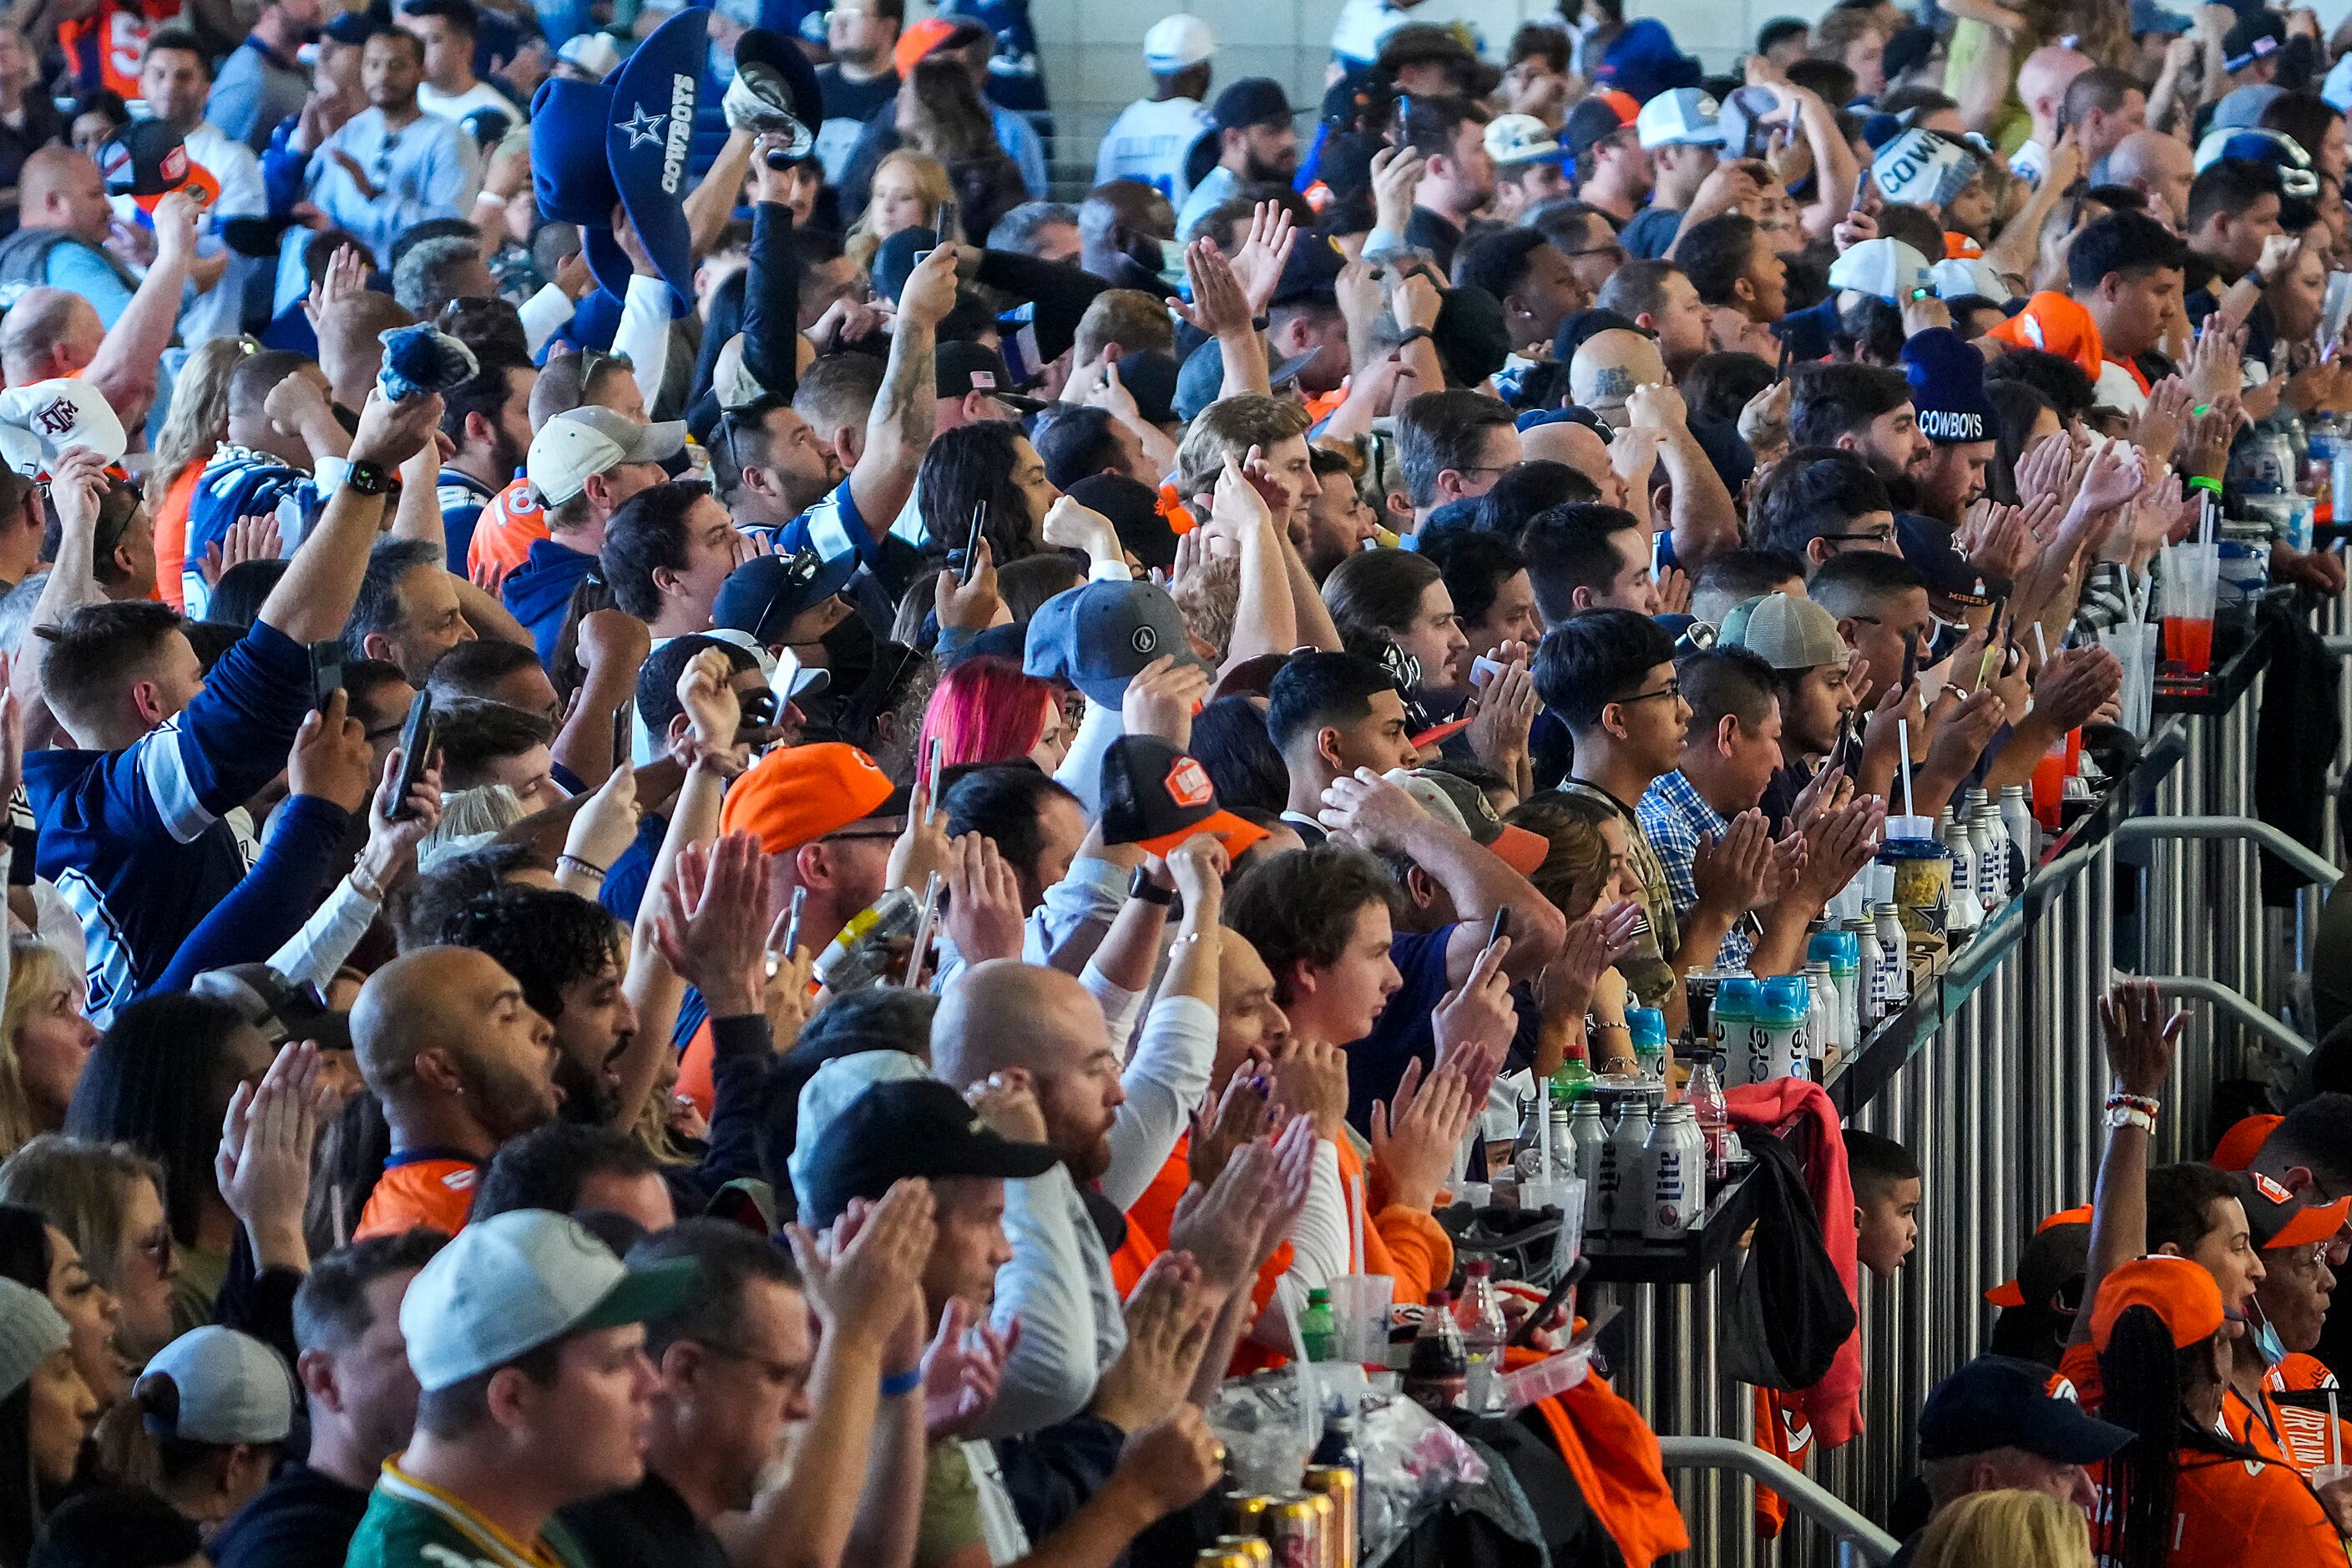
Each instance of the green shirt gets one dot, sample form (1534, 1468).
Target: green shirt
(409, 1524)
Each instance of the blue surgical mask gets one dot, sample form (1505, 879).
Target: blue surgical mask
(2268, 1345)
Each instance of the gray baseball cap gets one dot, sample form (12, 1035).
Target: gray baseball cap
(30, 1330)
(233, 1388)
(591, 439)
(1786, 631)
(510, 1283)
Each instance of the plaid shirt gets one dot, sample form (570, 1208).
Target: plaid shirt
(1674, 819)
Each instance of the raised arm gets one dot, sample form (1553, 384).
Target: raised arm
(313, 600)
(2140, 1040)
(77, 485)
(1701, 516)
(124, 367)
(1380, 816)
(899, 431)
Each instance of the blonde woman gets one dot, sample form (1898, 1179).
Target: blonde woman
(908, 190)
(2014, 1529)
(194, 428)
(44, 1041)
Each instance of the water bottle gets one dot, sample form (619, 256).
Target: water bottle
(2017, 824)
(1869, 984)
(1713, 1116)
(1991, 857)
(1676, 1158)
(1776, 1040)
(1728, 1025)
(1648, 1028)
(1480, 1317)
(1822, 1031)
(2339, 482)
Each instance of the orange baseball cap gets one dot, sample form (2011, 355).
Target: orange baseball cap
(2179, 1291)
(919, 39)
(801, 793)
(2278, 1219)
(1628, 107)
(2241, 1142)
(2056, 324)
(2056, 1255)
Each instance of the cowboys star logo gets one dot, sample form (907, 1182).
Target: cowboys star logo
(646, 127)
(56, 418)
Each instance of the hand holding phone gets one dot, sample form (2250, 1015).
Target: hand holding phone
(622, 751)
(416, 736)
(326, 672)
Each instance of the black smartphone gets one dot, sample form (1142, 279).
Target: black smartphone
(416, 753)
(1400, 118)
(326, 672)
(971, 541)
(1502, 926)
(622, 749)
(947, 224)
(1781, 370)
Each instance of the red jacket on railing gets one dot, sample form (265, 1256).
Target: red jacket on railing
(1833, 1406)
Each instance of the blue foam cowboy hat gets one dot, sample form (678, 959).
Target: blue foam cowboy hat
(571, 177)
(649, 137)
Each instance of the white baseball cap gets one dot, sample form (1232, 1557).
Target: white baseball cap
(1177, 41)
(594, 53)
(1922, 168)
(231, 1387)
(1513, 140)
(1958, 275)
(1683, 117)
(510, 1283)
(1885, 268)
(39, 422)
(588, 440)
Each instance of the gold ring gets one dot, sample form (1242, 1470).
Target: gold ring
(1220, 1452)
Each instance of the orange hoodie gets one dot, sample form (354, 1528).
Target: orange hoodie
(1614, 1456)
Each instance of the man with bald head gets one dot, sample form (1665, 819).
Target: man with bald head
(1009, 1027)
(60, 237)
(1606, 370)
(1120, 225)
(1581, 447)
(2157, 167)
(460, 1063)
(2041, 84)
(48, 333)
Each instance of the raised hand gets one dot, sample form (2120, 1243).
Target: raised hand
(1167, 1327)
(1505, 714)
(1731, 872)
(964, 1366)
(1257, 265)
(1219, 308)
(1416, 1134)
(1600, 938)
(392, 841)
(605, 826)
(984, 915)
(1308, 1078)
(331, 760)
(713, 922)
(392, 432)
(1007, 1102)
(2141, 1036)
(1368, 808)
(968, 602)
(1244, 1112)
(1162, 699)
(262, 1167)
(1172, 1464)
(868, 1276)
(1474, 1021)
(254, 538)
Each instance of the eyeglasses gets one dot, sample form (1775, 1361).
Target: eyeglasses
(1671, 689)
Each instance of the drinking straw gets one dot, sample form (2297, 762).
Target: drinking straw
(1903, 740)
(1543, 1128)
(1356, 1223)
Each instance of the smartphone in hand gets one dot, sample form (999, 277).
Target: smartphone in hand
(326, 672)
(416, 753)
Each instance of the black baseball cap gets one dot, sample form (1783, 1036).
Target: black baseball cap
(912, 1127)
(1149, 378)
(763, 595)
(1156, 796)
(965, 367)
(2258, 33)
(1592, 121)
(352, 28)
(1252, 100)
(1998, 1402)
(279, 1008)
(1312, 271)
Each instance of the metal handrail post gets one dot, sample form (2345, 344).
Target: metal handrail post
(2195, 987)
(1801, 1492)
(2143, 830)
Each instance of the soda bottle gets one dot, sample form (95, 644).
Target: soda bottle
(1316, 1327)
(1480, 1317)
(1704, 1093)
(1338, 1444)
(1436, 1376)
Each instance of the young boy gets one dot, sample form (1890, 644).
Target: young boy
(1886, 1200)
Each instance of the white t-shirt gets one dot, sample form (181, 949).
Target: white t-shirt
(2030, 162)
(481, 95)
(1147, 141)
(2117, 389)
(1363, 26)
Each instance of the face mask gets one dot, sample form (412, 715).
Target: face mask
(2268, 1345)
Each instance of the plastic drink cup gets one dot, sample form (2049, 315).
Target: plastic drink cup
(1360, 1315)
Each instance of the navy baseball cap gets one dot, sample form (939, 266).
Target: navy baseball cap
(1149, 378)
(912, 1127)
(1998, 1402)
(1097, 635)
(1252, 100)
(1312, 271)
(763, 597)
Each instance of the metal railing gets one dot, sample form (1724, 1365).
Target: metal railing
(1991, 1079)
(1858, 1540)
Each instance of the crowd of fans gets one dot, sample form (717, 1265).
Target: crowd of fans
(776, 927)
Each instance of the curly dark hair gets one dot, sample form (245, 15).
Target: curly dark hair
(545, 938)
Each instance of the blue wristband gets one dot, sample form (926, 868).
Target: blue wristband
(898, 1385)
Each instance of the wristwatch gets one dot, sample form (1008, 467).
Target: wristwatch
(368, 478)
(1141, 886)
(1413, 335)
